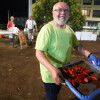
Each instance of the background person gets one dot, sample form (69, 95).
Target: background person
(53, 49)
(10, 24)
(30, 23)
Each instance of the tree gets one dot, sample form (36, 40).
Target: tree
(76, 20)
(42, 13)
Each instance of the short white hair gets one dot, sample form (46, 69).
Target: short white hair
(12, 17)
(54, 7)
(58, 2)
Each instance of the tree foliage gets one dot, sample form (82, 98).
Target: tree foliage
(42, 13)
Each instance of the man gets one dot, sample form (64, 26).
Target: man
(53, 49)
(30, 23)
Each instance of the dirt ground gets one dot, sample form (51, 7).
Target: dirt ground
(19, 72)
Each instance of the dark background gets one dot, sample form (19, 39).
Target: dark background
(16, 8)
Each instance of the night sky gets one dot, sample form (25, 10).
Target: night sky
(17, 8)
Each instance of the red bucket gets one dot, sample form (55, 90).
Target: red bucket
(1, 36)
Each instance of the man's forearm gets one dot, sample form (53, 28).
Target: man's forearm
(25, 26)
(36, 27)
(83, 51)
(55, 73)
(43, 60)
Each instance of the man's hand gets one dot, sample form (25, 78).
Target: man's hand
(57, 76)
(55, 73)
(94, 60)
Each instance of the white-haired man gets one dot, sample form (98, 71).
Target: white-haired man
(53, 49)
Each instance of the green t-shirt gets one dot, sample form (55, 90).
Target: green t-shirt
(57, 44)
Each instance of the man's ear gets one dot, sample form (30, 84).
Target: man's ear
(52, 13)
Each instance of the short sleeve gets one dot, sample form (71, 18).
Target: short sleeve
(75, 42)
(34, 22)
(43, 39)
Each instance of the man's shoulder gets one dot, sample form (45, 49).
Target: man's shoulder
(70, 29)
(68, 26)
(47, 27)
(33, 20)
(27, 20)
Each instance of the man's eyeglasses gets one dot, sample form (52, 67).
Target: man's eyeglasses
(60, 10)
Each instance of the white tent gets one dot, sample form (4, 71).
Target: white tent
(86, 36)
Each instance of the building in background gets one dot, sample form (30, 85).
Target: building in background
(91, 9)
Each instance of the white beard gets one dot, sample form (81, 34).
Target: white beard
(60, 22)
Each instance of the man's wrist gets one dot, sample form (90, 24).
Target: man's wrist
(90, 55)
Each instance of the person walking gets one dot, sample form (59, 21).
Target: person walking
(30, 23)
(53, 49)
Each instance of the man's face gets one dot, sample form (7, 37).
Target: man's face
(30, 17)
(12, 19)
(61, 13)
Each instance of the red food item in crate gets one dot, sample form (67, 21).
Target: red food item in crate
(64, 70)
(86, 79)
(81, 76)
(88, 71)
(73, 71)
(85, 73)
(73, 82)
(94, 77)
(82, 69)
(69, 70)
(76, 67)
(74, 75)
(79, 68)
(79, 80)
(69, 80)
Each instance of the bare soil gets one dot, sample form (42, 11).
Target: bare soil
(20, 74)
